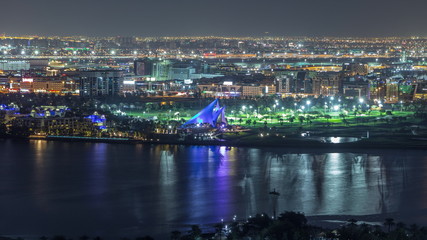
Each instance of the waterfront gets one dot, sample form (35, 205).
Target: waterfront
(114, 190)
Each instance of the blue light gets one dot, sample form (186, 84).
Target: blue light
(209, 115)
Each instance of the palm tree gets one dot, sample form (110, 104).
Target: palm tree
(84, 237)
(218, 229)
(301, 119)
(195, 231)
(389, 222)
(175, 235)
(352, 221)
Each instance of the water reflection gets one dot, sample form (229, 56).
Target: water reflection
(127, 190)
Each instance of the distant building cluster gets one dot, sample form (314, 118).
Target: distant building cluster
(51, 120)
(389, 69)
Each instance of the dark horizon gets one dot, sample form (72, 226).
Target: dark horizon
(239, 18)
(5, 34)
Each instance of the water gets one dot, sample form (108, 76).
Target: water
(114, 190)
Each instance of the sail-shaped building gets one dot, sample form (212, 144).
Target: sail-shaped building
(212, 115)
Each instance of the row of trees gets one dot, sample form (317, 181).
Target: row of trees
(289, 226)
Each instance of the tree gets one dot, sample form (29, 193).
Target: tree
(345, 122)
(195, 231)
(84, 237)
(175, 235)
(3, 129)
(352, 221)
(218, 229)
(145, 238)
(298, 220)
(389, 222)
(59, 237)
(301, 119)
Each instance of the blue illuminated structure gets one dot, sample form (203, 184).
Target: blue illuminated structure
(98, 120)
(209, 115)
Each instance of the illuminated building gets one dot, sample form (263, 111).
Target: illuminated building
(327, 84)
(10, 65)
(351, 69)
(182, 73)
(210, 115)
(100, 83)
(356, 87)
(143, 67)
(161, 70)
(251, 91)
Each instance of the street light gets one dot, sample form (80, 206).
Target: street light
(274, 195)
(308, 104)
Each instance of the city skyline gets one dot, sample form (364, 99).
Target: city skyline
(221, 18)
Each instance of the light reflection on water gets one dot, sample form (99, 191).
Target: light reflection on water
(127, 190)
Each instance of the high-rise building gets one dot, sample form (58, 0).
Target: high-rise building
(352, 69)
(143, 67)
(162, 70)
(182, 73)
(14, 65)
(327, 84)
(100, 83)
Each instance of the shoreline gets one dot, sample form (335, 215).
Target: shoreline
(291, 143)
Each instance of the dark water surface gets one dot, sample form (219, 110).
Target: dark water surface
(113, 190)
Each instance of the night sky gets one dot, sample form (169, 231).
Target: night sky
(214, 17)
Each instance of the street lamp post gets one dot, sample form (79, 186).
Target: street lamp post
(361, 100)
(275, 195)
